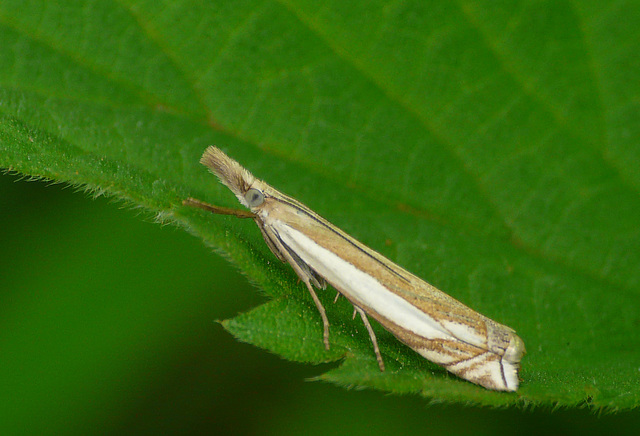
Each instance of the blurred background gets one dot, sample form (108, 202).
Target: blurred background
(91, 341)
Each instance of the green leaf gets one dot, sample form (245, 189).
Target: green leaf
(491, 148)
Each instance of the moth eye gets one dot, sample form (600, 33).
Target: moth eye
(254, 197)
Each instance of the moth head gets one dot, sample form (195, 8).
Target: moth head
(254, 198)
(232, 175)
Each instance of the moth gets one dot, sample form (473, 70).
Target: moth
(432, 323)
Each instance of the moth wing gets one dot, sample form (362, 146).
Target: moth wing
(276, 245)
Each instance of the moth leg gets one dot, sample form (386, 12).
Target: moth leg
(218, 209)
(323, 313)
(302, 270)
(372, 336)
(335, 300)
(306, 278)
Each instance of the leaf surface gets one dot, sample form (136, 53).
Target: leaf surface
(489, 147)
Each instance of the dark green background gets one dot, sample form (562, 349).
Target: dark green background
(86, 342)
